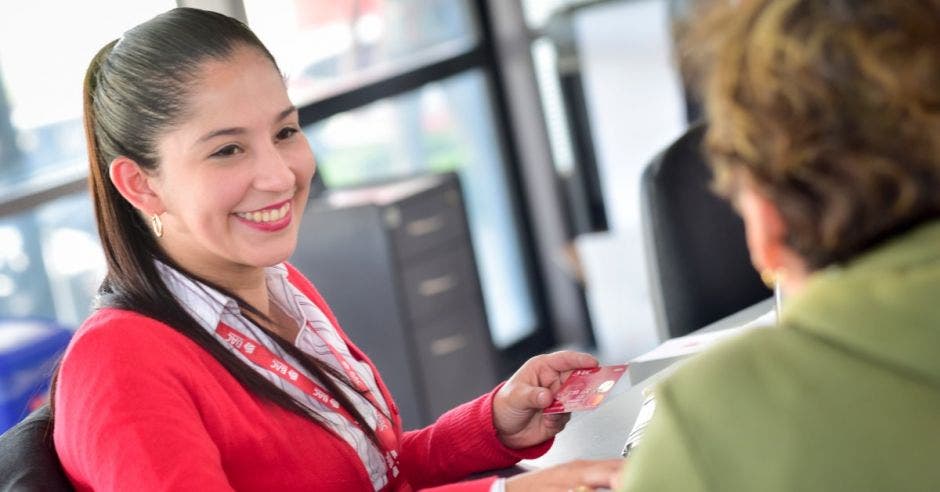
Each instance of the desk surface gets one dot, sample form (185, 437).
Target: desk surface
(601, 433)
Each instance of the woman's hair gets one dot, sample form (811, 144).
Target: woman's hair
(138, 88)
(830, 107)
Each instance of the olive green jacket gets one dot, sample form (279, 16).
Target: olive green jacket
(844, 395)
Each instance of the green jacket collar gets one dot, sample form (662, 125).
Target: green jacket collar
(885, 304)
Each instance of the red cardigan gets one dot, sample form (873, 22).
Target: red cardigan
(141, 407)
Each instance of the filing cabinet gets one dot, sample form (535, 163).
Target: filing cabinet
(395, 263)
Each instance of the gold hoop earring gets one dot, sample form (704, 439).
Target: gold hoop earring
(157, 225)
(769, 277)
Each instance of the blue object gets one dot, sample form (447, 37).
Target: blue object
(29, 350)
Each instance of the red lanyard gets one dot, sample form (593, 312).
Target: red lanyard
(261, 356)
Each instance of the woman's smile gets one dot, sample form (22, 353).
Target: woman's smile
(268, 219)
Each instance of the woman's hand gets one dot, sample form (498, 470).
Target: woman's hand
(580, 476)
(517, 406)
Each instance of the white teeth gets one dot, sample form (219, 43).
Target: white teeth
(267, 215)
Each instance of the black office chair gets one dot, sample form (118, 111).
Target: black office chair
(28, 461)
(696, 253)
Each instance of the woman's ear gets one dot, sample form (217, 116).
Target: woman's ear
(765, 230)
(134, 184)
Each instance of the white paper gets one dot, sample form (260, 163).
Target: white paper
(697, 342)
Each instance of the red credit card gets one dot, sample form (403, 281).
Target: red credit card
(585, 389)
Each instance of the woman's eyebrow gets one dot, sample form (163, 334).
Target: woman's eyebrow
(222, 131)
(285, 113)
(236, 130)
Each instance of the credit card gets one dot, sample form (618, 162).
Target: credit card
(585, 389)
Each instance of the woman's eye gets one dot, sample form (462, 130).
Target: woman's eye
(227, 151)
(286, 132)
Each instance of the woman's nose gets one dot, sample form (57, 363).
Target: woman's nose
(273, 171)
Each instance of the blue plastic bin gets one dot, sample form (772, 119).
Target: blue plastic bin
(29, 350)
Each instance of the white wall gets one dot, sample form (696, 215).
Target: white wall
(636, 109)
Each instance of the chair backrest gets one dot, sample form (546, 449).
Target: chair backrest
(696, 252)
(28, 461)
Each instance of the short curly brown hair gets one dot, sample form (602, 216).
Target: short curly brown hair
(832, 107)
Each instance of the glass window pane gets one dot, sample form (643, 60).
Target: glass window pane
(41, 77)
(51, 261)
(443, 126)
(324, 46)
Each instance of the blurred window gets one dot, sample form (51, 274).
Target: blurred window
(327, 46)
(50, 261)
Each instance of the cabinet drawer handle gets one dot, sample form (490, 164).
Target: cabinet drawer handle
(448, 345)
(434, 286)
(423, 227)
(392, 217)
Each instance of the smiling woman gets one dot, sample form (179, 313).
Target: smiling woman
(211, 363)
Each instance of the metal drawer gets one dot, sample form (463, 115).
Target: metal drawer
(441, 281)
(424, 221)
(456, 358)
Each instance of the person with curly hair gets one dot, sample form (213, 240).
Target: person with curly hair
(824, 132)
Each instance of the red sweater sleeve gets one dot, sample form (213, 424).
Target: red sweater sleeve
(462, 442)
(106, 437)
